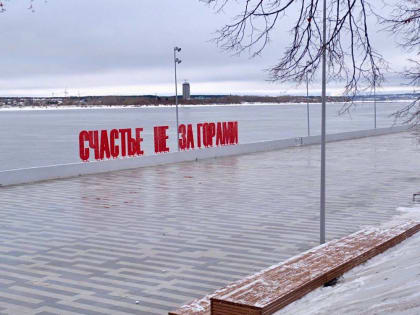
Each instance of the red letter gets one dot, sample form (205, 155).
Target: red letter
(94, 142)
(123, 133)
(139, 140)
(225, 133)
(219, 135)
(160, 139)
(199, 135)
(115, 150)
(83, 152)
(157, 136)
(205, 134)
(232, 132)
(182, 141)
(235, 132)
(131, 144)
(190, 137)
(104, 145)
(163, 138)
(210, 133)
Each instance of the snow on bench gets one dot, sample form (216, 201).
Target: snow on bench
(415, 195)
(277, 286)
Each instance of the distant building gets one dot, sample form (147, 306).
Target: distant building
(186, 93)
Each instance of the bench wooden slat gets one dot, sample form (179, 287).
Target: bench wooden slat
(277, 286)
(196, 307)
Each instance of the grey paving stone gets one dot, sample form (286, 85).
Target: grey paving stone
(165, 235)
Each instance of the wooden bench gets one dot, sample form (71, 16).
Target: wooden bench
(277, 286)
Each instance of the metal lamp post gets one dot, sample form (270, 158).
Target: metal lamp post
(307, 101)
(374, 100)
(176, 61)
(323, 127)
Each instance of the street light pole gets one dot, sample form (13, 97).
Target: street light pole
(323, 127)
(374, 100)
(176, 61)
(307, 102)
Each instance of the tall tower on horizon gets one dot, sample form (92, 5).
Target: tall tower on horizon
(186, 92)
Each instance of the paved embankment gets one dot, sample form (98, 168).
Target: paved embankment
(164, 235)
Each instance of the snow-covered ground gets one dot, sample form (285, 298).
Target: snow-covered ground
(387, 284)
(64, 107)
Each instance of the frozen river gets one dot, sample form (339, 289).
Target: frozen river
(31, 138)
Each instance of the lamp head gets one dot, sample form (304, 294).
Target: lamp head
(177, 49)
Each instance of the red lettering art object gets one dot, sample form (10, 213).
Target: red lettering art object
(104, 144)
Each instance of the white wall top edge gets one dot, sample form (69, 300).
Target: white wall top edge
(35, 174)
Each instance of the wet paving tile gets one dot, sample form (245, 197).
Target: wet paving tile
(164, 235)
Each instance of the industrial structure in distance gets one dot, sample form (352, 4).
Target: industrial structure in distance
(186, 92)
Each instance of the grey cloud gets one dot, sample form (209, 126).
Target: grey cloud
(107, 42)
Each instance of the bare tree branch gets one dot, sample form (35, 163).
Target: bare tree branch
(404, 21)
(351, 56)
(30, 5)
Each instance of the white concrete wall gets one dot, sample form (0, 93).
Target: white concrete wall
(29, 175)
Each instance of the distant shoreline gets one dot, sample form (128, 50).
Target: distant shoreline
(142, 101)
(99, 106)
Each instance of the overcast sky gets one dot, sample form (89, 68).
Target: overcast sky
(102, 47)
